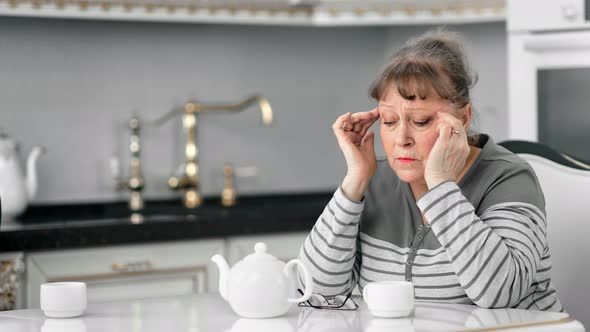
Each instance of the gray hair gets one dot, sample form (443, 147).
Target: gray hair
(434, 61)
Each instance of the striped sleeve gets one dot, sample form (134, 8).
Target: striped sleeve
(495, 255)
(330, 250)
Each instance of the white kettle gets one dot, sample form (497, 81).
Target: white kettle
(259, 286)
(16, 189)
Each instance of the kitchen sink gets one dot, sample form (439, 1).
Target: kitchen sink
(162, 210)
(172, 210)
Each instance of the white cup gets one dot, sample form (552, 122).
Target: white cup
(389, 299)
(63, 299)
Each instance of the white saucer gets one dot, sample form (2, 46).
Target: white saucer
(63, 313)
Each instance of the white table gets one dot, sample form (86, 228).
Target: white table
(208, 312)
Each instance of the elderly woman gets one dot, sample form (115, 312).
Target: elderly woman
(460, 217)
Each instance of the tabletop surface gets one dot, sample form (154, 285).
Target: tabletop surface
(209, 312)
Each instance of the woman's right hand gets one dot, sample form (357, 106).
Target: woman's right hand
(357, 145)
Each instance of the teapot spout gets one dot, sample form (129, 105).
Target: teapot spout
(223, 274)
(32, 171)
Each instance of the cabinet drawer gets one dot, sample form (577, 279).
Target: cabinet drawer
(95, 263)
(128, 272)
(145, 287)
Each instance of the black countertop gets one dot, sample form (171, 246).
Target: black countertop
(45, 227)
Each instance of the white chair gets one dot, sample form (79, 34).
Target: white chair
(566, 184)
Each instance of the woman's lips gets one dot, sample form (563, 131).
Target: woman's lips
(405, 160)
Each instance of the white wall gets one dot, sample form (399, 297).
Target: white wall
(71, 86)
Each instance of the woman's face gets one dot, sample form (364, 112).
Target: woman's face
(409, 130)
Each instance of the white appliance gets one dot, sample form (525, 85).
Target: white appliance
(549, 102)
(549, 73)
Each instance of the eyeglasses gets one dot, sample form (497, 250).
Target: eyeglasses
(338, 302)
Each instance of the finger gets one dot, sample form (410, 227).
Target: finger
(455, 123)
(445, 128)
(343, 131)
(363, 120)
(337, 127)
(348, 141)
(368, 142)
(345, 139)
(364, 128)
(355, 138)
(341, 122)
(370, 116)
(444, 134)
(368, 125)
(356, 117)
(362, 117)
(358, 127)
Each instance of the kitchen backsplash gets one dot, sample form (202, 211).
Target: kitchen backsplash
(72, 85)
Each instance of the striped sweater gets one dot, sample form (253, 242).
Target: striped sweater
(485, 240)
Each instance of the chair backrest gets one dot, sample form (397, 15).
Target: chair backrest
(567, 199)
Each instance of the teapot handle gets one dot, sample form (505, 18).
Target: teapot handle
(306, 277)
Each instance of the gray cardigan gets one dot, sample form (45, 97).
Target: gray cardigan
(485, 241)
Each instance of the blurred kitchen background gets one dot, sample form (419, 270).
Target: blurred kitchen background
(74, 72)
(71, 85)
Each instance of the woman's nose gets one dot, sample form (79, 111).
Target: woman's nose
(403, 137)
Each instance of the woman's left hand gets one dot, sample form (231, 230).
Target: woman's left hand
(449, 153)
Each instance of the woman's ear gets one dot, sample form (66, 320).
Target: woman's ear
(465, 115)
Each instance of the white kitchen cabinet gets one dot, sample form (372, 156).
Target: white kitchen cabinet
(278, 12)
(128, 272)
(284, 246)
(149, 270)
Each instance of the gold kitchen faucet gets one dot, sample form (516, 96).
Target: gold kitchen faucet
(134, 183)
(188, 181)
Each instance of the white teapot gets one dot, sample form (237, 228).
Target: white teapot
(259, 286)
(16, 190)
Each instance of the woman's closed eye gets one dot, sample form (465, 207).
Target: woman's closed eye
(390, 123)
(422, 123)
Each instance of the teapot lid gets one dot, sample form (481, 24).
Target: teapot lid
(260, 254)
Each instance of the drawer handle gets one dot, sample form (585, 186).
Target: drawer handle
(137, 266)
